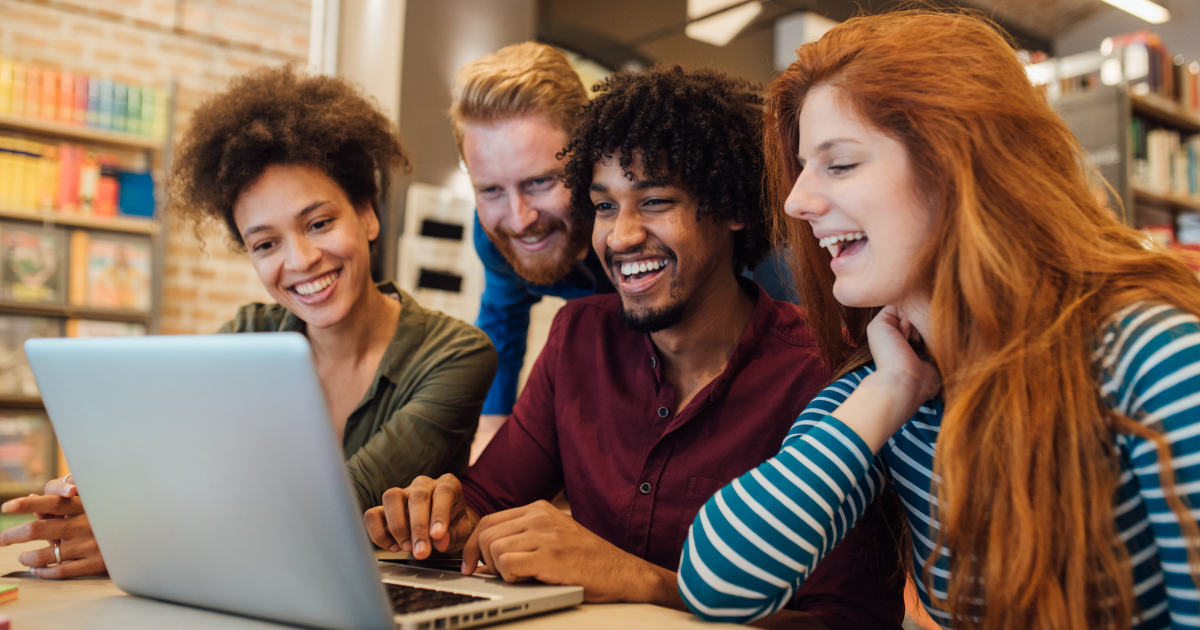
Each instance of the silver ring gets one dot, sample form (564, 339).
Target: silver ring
(57, 554)
(66, 479)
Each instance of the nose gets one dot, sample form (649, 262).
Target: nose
(804, 202)
(628, 231)
(521, 213)
(302, 255)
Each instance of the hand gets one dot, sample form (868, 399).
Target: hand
(60, 518)
(540, 542)
(901, 383)
(424, 516)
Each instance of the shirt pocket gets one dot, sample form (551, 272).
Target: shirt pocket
(700, 489)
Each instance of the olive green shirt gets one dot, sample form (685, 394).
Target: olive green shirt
(420, 414)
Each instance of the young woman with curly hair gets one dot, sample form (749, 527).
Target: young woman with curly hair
(294, 167)
(1014, 361)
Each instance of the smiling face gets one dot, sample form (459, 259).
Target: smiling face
(661, 257)
(309, 245)
(856, 190)
(522, 204)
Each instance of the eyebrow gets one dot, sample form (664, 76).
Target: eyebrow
(829, 144)
(638, 186)
(299, 215)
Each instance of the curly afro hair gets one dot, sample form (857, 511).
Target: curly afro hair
(702, 127)
(276, 116)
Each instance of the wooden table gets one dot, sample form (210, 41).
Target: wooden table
(95, 603)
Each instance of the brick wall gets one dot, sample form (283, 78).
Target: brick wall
(197, 43)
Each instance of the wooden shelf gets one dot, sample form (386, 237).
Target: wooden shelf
(21, 402)
(79, 132)
(1164, 111)
(1185, 204)
(75, 312)
(114, 224)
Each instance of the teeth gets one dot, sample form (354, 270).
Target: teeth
(629, 269)
(316, 286)
(849, 236)
(531, 239)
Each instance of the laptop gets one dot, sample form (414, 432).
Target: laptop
(212, 478)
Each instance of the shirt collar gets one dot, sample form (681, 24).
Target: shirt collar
(761, 320)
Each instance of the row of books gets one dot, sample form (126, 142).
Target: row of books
(100, 270)
(1169, 76)
(16, 379)
(66, 178)
(78, 99)
(1164, 162)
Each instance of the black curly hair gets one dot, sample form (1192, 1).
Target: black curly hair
(701, 127)
(276, 116)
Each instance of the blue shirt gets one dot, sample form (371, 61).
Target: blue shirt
(504, 310)
(758, 539)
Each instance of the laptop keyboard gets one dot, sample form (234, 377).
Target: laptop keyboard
(410, 599)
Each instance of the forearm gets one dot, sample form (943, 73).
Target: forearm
(753, 544)
(652, 584)
(872, 409)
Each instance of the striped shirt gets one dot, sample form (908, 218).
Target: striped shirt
(757, 539)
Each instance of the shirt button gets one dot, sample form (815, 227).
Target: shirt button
(663, 411)
(653, 362)
(645, 488)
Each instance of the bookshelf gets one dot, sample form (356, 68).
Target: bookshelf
(1101, 119)
(74, 310)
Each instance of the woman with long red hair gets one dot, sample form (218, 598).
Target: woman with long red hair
(1015, 363)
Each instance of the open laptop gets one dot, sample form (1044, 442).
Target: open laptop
(212, 477)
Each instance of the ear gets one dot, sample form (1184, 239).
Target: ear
(371, 222)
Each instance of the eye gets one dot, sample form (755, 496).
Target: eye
(320, 224)
(659, 203)
(262, 247)
(841, 169)
(541, 183)
(605, 206)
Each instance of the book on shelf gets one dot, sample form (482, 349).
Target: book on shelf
(33, 263)
(16, 378)
(1164, 161)
(49, 104)
(120, 106)
(33, 91)
(66, 98)
(27, 452)
(6, 85)
(18, 89)
(110, 271)
(68, 179)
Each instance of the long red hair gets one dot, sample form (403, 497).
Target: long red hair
(1023, 266)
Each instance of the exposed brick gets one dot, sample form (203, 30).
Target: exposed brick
(68, 47)
(28, 42)
(106, 55)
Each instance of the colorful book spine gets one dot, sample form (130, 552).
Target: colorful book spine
(69, 158)
(33, 91)
(47, 190)
(133, 110)
(89, 180)
(6, 85)
(77, 279)
(162, 105)
(49, 105)
(120, 108)
(80, 111)
(66, 98)
(18, 95)
(7, 157)
(149, 97)
(105, 116)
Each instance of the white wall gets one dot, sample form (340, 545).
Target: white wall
(1181, 34)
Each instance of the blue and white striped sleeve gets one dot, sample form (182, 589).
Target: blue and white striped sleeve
(1150, 372)
(756, 540)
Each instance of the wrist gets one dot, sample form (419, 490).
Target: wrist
(654, 585)
(876, 409)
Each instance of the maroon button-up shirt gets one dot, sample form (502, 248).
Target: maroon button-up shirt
(595, 419)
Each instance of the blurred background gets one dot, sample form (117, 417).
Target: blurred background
(93, 93)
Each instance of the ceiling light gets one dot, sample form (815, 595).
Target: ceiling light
(720, 28)
(1144, 9)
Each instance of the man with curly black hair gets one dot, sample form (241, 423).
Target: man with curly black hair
(643, 403)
